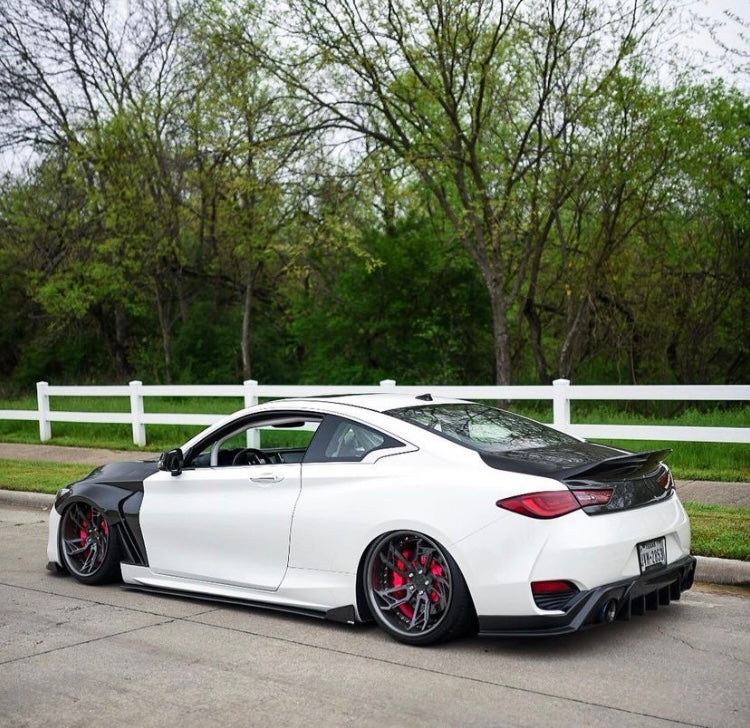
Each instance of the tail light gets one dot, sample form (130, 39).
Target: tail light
(545, 504)
(665, 479)
(554, 503)
(593, 496)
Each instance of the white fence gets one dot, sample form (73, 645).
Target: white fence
(561, 393)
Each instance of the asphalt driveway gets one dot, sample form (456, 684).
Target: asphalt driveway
(72, 655)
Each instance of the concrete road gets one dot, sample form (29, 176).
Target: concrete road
(79, 656)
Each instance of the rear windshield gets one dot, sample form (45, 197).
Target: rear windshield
(483, 428)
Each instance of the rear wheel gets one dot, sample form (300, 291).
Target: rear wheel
(415, 589)
(89, 546)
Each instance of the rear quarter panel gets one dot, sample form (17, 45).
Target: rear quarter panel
(343, 507)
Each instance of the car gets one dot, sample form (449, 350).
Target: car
(434, 517)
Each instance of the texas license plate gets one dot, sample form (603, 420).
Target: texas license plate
(652, 554)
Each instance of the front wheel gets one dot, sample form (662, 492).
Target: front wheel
(415, 590)
(89, 546)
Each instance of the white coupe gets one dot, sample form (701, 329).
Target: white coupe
(432, 516)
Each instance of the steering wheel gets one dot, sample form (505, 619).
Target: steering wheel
(250, 456)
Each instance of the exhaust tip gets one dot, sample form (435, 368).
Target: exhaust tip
(608, 612)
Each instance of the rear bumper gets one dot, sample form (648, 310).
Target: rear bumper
(587, 609)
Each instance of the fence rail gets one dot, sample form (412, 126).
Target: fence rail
(561, 393)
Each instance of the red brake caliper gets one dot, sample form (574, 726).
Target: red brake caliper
(435, 570)
(397, 580)
(83, 534)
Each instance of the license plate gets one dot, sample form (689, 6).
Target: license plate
(652, 554)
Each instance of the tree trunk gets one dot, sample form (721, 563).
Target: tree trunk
(500, 333)
(246, 324)
(535, 340)
(166, 334)
(578, 318)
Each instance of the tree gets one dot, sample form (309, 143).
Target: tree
(625, 162)
(94, 89)
(706, 271)
(650, 266)
(476, 98)
(247, 141)
(419, 314)
(217, 186)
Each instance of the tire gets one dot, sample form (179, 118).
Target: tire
(89, 545)
(415, 590)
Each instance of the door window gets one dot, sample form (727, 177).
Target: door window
(272, 439)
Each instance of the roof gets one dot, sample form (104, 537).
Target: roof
(382, 402)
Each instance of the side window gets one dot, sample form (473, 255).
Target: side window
(275, 439)
(346, 441)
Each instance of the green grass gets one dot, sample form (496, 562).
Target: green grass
(689, 460)
(722, 531)
(39, 477)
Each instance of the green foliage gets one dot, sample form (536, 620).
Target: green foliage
(420, 313)
(487, 185)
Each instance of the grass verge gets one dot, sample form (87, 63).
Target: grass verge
(39, 477)
(721, 531)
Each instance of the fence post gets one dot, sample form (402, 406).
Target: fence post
(42, 398)
(561, 404)
(251, 399)
(136, 413)
(388, 383)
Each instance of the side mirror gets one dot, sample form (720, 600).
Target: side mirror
(173, 461)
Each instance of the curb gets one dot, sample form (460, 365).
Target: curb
(25, 499)
(722, 571)
(709, 570)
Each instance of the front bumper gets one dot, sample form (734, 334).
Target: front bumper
(53, 543)
(588, 608)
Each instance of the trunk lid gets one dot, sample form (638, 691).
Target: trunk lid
(634, 479)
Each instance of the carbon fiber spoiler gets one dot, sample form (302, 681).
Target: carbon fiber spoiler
(577, 460)
(632, 465)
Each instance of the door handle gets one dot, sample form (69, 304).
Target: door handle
(267, 478)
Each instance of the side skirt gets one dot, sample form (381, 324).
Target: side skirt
(224, 600)
(139, 578)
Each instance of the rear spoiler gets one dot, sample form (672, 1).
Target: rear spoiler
(631, 465)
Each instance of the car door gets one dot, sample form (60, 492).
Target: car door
(346, 473)
(220, 522)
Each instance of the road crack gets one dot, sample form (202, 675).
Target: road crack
(690, 645)
(89, 641)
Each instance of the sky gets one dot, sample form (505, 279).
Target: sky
(729, 32)
(700, 45)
